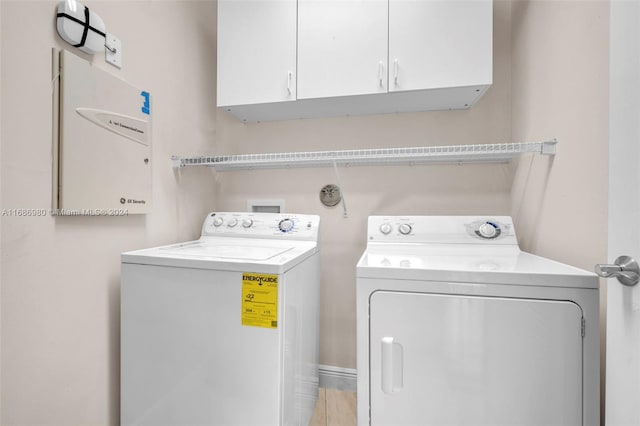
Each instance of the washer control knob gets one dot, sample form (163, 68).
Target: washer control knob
(247, 223)
(286, 225)
(488, 230)
(386, 228)
(217, 221)
(233, 222)
(405, 229)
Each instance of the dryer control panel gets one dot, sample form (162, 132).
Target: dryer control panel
(288, 226)
(442, 229)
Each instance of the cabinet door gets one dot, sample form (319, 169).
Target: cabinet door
(448, 360)
(256, 51)
(440, 43)
(342, 47)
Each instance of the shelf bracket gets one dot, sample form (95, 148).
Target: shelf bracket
(548, 147)
(176, 162)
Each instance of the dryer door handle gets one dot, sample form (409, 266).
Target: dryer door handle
(392, 381)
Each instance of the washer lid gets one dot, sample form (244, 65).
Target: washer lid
(230, 254)
(200, 249)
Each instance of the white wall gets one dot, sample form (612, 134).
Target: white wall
(560, 89)
(60, 276)
(468, 189)
(560, 58)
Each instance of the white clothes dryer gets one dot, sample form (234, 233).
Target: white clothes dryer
(457, 326)
(223, 330)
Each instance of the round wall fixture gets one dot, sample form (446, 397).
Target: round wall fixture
(330, 195)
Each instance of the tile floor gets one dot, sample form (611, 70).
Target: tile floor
(335, 408)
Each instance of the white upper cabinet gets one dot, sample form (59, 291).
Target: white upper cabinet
(351, 57)
(256, 51)
(342, 47)
(440, 43)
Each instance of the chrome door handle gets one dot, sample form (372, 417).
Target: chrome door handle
(625, 269)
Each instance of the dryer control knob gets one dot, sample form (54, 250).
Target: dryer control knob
(233, 222)
(217, 221)
(286, 225)
(386, 228)
(247, 223)
(487, 230)
(405, 229)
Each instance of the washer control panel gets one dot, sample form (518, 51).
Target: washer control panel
(442, 229)
(405, 228)
(286, 225)
(487, 229)
(262, 225)
(386, 228)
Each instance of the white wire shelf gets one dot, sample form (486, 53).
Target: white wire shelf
(452, 154)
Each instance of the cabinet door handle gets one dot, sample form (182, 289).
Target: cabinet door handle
(380, 73)
(395, 71)
(289, 75)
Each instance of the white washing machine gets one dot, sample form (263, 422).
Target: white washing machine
(223, 330)
(457, 326)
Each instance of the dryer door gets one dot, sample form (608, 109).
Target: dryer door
(439, 359)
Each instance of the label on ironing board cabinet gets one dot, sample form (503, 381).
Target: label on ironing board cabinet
(259, 300)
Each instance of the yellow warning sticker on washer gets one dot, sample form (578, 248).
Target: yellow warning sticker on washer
(260, 300)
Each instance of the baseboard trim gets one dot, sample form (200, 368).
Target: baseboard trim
(338, 378)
